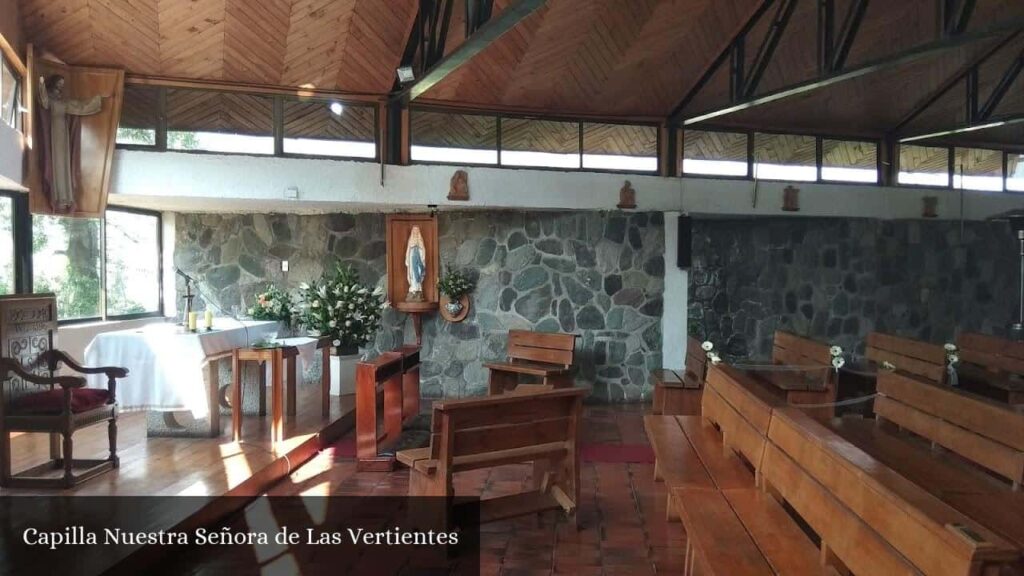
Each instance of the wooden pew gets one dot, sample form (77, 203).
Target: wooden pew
(908, 355)
(678, 392)
(387, 396)
(547, 357)
(814, 385)
(871, 520)
(474, 433)
(708, 463)
(983, 431)
(992, 366)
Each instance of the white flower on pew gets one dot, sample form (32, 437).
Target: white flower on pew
(836, 351)
(950, 347)
(953, 358)
(888, 366)
(714, 358)
(838, 362)
(707, 346)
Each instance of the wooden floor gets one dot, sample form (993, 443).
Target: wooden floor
(622, 512)
(182, 466)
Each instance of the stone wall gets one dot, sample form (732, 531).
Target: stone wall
(836, 280)
(600, 275)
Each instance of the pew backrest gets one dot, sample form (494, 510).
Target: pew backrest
(696, 364)
(914, 356)
(545, 347)
(478, 432)
(846, 495)
(741, 408)
(991, 353)
(792, 350)
(988, 433)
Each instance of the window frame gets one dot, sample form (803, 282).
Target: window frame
(104, 316)
(15, 122)
(499, 117)
(277, 124)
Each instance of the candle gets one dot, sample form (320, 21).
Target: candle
(192, 317)
(209, 319)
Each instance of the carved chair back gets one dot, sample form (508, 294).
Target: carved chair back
(28, 327)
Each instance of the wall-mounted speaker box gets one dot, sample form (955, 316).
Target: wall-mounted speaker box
(684, 251)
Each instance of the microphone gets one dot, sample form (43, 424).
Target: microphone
(183, 275)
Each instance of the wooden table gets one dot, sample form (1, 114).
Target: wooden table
(283, 376)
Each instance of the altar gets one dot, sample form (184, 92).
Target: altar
(173, 370)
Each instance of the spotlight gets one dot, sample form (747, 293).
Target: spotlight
(405, 74)
(337, 108)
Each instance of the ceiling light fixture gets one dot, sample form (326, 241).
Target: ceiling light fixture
(405, 74)
(337, 108)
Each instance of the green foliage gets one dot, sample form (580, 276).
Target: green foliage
(455, 283)
(341, 307)
(273, 304)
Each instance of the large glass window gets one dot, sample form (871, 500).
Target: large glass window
(6, 245)
(923, 166)
(133, 262)
(321, 128)
(542, 143)
(978, 169)
(8, 95)
(66, 261)
(620, 147)
(139, 113)
(455, 138)
(849, 161)
(219, 122)
(714, 153)
(1015, 172)
(785, 157)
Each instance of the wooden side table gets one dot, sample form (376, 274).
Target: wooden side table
(283, 377)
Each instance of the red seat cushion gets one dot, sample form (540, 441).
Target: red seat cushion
(52, 401)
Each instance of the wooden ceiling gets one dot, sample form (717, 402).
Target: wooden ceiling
(597, 58)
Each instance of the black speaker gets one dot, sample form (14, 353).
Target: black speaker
(684, 249)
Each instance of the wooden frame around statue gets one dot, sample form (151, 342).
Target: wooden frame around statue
(398, 228)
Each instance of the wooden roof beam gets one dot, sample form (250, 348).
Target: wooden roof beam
(832, 78)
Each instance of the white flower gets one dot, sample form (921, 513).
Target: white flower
(315, 304)
(953, 359)
(332, 323)
(351, 306)
(835, 351)
(950, 347)
(888, 365)
(336, 343)
(838, 362)
(714, 358)
(348, 323)
(707, 346)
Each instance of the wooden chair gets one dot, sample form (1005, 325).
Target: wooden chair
(28, 331)
(540, 428)
(542, 355)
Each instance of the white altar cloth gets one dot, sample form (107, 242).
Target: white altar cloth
(165, 364)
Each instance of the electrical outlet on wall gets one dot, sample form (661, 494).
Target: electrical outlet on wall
(284, 265)
(291, 192)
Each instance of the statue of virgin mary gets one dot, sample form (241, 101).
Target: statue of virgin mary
(415, 265)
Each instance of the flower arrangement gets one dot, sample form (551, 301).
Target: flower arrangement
(952, 354)
(341, 307)
(273, 304)
(455, 284)
(709, 348)
(836, 352)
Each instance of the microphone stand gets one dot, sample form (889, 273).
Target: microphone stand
(189, 296)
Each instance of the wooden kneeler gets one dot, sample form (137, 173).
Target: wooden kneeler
(474, 433)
